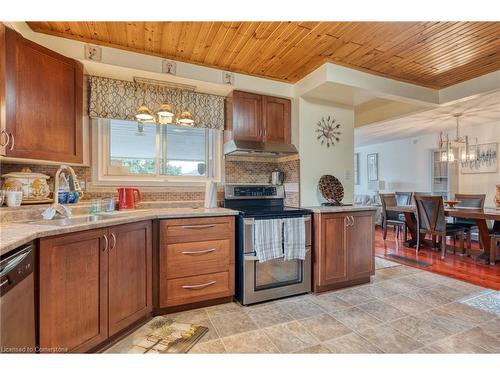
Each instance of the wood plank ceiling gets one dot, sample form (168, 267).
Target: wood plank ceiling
(432, 54)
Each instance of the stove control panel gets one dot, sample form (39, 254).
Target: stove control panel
(254, 191)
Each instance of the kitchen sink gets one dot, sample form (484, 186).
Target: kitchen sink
(74, 220)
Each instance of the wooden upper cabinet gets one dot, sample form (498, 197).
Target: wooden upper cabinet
(73, 297)
(247, 116)
(130, 274)
(43, 102)
(276, 120)
(254, 117)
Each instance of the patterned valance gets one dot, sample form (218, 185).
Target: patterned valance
(117, 99)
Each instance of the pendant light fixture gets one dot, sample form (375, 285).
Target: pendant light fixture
(458, 149)
(185, 118)
(165, 114)
(165, 110)
(143, 113)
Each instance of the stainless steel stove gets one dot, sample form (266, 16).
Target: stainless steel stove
(277, 278)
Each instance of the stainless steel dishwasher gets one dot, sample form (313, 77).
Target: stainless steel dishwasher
(17, 301)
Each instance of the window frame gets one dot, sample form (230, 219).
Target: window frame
(357, 175)
(101, 147)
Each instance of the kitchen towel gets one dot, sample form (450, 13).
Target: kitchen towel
(294, 230)
(268, 239)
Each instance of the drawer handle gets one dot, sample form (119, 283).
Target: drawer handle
(199, 252)
(198, 226)
(6, 281)
(13, 141)
(199, 286)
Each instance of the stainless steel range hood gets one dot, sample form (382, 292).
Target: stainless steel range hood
(250, 148)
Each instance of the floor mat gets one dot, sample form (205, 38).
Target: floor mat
(489, 302)
(169, 336)
(409, 260)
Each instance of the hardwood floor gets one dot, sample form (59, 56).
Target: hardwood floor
(456, 266)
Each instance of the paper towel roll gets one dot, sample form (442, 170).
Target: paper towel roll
(211, 194)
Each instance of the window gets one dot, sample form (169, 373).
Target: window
(356, 169)
(154, 154)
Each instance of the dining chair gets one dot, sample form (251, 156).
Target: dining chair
(404, 197)
(431, 220)
(495, 243)
(390, 217)
(469, 201)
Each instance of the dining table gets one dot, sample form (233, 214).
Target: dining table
(481, 216)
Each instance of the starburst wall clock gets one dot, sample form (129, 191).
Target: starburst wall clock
(328, 130)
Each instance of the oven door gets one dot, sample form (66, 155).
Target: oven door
(275, 278)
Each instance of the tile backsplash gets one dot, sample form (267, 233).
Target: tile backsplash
(243, 170)
(248, 170)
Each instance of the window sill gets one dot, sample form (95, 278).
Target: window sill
(150, 184)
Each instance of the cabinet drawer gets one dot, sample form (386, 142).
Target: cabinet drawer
(195, 258)
(190, 289)
(200, 229)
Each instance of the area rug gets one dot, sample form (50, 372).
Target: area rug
(169, 336)
(409, 260)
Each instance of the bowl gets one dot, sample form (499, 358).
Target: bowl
(451, 204)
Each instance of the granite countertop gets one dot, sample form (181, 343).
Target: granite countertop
(14, 234)
(333, 209)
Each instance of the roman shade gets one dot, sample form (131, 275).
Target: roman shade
(118, 99)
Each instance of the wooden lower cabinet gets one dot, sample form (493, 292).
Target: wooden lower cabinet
(196, 260)
(129, 274)
(344, 249)
(73, 297)
(93, 284)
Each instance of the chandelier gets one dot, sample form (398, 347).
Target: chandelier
(459, 148)
(164, 115)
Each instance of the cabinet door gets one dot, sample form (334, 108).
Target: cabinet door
(130, 283)
(276, 120)
(43, 102)
(4, 140)
(247, 116)
(333, 250)
(361, 246)
(73, 292)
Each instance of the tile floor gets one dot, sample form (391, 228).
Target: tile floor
(403, 310)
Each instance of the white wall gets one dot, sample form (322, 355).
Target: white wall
(404, 164)
(316, 159)
(482, 182)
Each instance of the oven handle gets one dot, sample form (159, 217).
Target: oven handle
(251, 221)
(254, 257)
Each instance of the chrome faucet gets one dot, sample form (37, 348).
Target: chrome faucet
(74, 187)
